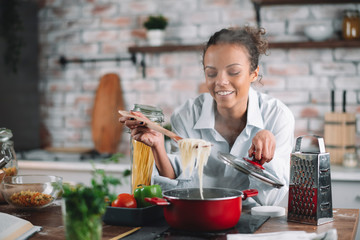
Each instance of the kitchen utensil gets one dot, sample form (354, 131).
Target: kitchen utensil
(250, 168)
(152, 125)
(339, 131)
(106, 130)
(185, 209)
(310, 199)
(31, 191)
(125, 234)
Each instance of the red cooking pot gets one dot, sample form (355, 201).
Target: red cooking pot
(219, 209)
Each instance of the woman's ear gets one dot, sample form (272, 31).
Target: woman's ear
(255, 74)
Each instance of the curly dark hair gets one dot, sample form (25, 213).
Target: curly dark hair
(251, 38)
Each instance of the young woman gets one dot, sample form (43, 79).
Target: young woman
(232, 116)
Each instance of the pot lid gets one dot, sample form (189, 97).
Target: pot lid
(249, 168)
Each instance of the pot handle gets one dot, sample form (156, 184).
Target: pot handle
(249, 193)
(157, 201)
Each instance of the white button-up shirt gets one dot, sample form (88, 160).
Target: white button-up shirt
(196, 119)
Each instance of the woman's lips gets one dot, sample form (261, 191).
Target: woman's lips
(224, 93)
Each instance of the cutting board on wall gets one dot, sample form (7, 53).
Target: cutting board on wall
(106, 128)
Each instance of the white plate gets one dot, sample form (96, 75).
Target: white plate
(272, 211)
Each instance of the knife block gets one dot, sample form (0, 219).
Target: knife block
(339, 135)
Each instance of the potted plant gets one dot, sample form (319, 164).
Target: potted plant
(155, 26)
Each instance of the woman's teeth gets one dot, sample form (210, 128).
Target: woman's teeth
(224, 93)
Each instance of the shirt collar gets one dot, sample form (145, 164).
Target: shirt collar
(207, 115)
(254, 116)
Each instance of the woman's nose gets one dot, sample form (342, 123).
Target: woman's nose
(222, 80)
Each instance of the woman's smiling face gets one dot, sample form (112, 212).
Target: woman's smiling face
(227, 74)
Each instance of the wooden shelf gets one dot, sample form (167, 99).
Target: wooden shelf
(182, 48)
(324, 44)
(283, 2)
(165, 48)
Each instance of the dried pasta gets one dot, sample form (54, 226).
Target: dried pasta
(142, 164)
(191, 149)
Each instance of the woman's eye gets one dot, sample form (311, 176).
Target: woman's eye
(234, 73)
(211, 74)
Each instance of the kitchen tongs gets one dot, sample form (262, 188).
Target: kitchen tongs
(152, 125)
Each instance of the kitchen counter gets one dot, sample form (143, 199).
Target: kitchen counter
(345, 222)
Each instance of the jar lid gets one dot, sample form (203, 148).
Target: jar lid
(351, 13)
(5, 134)
(155, 114)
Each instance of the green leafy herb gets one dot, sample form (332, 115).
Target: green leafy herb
(84, 205)
(156, 22)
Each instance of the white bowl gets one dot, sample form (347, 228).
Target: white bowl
(318, 32)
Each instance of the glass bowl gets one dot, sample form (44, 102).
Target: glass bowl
(31, 191)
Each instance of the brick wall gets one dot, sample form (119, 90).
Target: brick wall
(302, 78)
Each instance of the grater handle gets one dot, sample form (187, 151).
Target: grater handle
(320, 142)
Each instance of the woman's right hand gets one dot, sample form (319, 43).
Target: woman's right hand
(141, 133)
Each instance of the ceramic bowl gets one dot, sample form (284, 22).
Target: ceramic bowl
(31, 191)
(318, 32)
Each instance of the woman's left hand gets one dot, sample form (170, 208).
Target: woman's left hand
(263, 146)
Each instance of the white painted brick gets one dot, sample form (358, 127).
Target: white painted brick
(100, 36)
(287, 69)
(291, 97)
(347, 54)
(64, 12)
(287, 38)
(275, 55)
(237, 16)
(297, 27)
(178, 6)
(183, 32)
(307, 83)
(138, 7)
(281, 13)
(329, 11)
(99, 10)
(310, 55)
(333, 68)
(76, 50)
(274, 28)
(271, 83)
(190, 18)
(348, 83)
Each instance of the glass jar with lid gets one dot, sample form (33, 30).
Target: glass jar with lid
(351, 25)
(142, 159)
(8, 161)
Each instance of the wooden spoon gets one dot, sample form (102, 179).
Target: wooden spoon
(152, 125)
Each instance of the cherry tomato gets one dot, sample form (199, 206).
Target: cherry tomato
(125, 200)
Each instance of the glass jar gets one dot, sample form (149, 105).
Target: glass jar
(8, 161)
(351, 25)
(142, 159)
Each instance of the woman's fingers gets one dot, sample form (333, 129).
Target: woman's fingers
(263, 146)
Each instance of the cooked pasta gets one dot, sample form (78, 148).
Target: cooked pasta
(142, 164)
(191, 149)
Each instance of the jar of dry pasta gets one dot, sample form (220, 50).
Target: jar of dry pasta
(351, 25)
(8, 161)
(142, 159)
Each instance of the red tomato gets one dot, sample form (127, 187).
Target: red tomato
(125, 200)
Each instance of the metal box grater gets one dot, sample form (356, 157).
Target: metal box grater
(310, 199)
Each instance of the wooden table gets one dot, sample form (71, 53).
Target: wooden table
(50, 218)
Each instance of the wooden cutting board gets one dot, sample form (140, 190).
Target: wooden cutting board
(106, 128)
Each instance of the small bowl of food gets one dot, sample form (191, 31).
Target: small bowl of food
(31, 191)
(319, 32)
